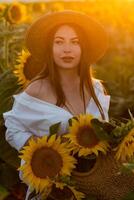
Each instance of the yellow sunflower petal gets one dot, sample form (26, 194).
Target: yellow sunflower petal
(52, 155)
(19, 68)
(16, 13)
(82, 137)
(78, 195)
(125, 149)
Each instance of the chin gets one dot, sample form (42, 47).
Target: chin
(67, 67)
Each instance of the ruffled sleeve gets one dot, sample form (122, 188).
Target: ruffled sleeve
(31, 116)
(17, 133)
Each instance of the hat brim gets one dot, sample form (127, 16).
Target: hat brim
(38, 33)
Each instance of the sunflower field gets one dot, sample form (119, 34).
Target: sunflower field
(116, 68)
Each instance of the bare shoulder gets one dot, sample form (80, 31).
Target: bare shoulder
(35, 88)
(41, 89)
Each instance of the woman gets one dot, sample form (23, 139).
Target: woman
(66, 44)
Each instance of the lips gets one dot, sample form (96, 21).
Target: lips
(67, 58)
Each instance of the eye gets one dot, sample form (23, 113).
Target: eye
(75, 42)
(58, 42)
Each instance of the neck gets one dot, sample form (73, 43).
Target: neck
(68, 76)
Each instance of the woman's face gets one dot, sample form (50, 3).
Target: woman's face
(66, 47)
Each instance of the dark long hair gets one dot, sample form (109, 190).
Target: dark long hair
(84, 69)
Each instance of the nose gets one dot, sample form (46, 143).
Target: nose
(67, 48)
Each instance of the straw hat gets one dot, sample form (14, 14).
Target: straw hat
(37, 34)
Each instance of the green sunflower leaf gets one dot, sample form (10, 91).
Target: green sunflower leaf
(54, 129)
(128, 167)
(99, 130)
(68, 180)
(70, 120)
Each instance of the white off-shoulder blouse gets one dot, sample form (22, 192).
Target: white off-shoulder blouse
(32, 116)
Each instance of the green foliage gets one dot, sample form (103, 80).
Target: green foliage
(7, 153)
(123, 129)
(129, 196)
(12, 40)
(90, 197)
(8, 175)
(54, 128)
(9, 161)
(3, 192)
(8, 87)
(118, 76)
(67, 180)
(70, 120)
(128, 167)
(102, 129)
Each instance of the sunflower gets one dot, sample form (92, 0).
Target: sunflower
(2, 9)
(45, 160)
(125, 149)
(57, 6)
(26, 68)
(16, 13)
(21, 68)
(83, 137)
(38, 8)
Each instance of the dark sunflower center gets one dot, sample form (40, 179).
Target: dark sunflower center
(31, 68)
(86, 137)
(46, 162)
(15, 13)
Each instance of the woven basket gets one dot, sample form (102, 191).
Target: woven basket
(104, 180)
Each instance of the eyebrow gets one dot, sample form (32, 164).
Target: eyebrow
(63, 38)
